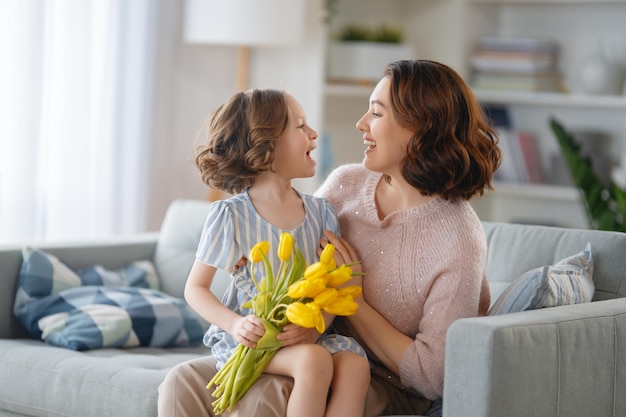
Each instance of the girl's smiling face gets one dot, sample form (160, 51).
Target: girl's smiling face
(292, 155)
(386, 140)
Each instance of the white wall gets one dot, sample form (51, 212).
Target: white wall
(192, 80)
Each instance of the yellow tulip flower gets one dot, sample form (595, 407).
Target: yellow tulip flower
(352, 290)
(257, 254)
(328, 256)
(316, 270)
(258, 250)
(326, 297)
(339, 276)
(285, 246)
(298, 289)
(306, 288)
(306, 315)
(342, 306)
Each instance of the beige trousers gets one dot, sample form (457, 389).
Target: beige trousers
(183, 393)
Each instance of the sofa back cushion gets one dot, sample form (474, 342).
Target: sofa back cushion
(176, 247)
(514, 249)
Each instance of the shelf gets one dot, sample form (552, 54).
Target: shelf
(447, 31)
(587, 101)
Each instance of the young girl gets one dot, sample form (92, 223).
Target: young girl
(258, 141)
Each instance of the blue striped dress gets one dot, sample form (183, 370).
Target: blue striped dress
(231, 229)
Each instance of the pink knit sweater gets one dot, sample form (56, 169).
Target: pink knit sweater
(425, 268)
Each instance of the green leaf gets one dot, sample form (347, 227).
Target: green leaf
(605, 205)
(268, 341)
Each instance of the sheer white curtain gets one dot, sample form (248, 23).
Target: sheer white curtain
(75, 89)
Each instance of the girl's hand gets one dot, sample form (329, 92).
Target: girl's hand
(293, 334)
(248, 330)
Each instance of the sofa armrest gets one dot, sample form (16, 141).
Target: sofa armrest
(562, 361)
(114, 253)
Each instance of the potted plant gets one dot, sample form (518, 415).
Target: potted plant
(359, 53)
(605, 204)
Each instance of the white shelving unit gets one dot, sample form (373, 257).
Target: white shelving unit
(447, 31)
(575, 100)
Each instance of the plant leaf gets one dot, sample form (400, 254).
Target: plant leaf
(605, 205)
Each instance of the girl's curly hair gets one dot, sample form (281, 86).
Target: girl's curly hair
(240, 138)
(453, 151)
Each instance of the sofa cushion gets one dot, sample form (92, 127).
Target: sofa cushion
(176, 248)
(567, 282)
(178, 241)
(94, 308)
(43, 380)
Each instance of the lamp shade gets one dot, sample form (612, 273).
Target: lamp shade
(244, 22)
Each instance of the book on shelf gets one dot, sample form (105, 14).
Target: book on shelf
(551, 81)
(518, 43)
(498, 115)
(514, 63)
(542, 57)
(521, 161)
(507, 171)
(531, 159)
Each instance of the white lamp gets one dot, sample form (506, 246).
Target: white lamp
(244, 23)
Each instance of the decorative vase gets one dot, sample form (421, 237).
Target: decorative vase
(601, 75)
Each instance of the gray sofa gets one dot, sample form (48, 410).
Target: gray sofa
(564, 361)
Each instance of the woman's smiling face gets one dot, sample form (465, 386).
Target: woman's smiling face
(386, 140)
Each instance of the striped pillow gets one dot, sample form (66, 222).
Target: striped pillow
(566, 282)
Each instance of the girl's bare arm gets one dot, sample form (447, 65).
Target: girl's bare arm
(246, 330)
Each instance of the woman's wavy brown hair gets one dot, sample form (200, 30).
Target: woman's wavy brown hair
(453, 151)
(240, 139)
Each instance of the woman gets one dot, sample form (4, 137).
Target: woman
(405, 210)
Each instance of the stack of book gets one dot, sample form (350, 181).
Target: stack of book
(516, 63)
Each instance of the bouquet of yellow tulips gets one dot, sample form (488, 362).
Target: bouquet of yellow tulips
(296, 294)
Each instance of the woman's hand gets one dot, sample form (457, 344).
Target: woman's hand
(248, 330)
(293, 334)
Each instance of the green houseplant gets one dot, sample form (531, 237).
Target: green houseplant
(359, 53)
(361, 33)
(605, 204)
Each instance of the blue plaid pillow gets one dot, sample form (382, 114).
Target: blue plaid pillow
(96, 307)
(566, 282)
